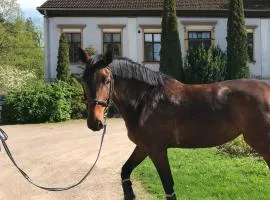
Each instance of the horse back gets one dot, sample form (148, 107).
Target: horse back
(208, 114)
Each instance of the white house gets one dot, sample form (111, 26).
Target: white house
(132, 29)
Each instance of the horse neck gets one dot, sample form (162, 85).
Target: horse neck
(127, 94)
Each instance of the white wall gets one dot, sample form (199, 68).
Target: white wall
(132, 42)
(265, 46)
(92, 35)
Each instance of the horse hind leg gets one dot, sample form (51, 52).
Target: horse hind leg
(260, 142)
(266, 157)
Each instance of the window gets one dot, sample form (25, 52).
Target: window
(250, 43)
(74, 36)
(112, 38)
(112, 42)
(199, 34)
(74, 41)
(199, 39)
(152, 47)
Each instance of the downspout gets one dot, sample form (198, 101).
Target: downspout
(261, 54)
(48, 47)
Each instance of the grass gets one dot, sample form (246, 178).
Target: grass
(203, 174)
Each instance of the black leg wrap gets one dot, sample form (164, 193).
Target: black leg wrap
(128, 191)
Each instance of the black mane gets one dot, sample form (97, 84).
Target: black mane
(126, 68)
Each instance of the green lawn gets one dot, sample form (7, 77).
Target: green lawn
(204, 174)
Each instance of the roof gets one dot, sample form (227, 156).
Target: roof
(135, 7)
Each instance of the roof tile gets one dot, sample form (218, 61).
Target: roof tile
(152, 4)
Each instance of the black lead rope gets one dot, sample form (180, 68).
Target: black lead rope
(4, 137)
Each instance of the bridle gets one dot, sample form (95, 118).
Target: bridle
(104, 103)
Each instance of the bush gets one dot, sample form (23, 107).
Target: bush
(41, 102)
(77, 100)
(205, 65)
(237, 147)
(91, 50)
(113, 110)
(12, 78)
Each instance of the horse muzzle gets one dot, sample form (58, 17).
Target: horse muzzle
(95, 126)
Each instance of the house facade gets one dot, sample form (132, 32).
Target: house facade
(132, 29)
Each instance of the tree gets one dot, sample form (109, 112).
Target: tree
(63, 72)
(19, 49)
(237, 63)
(9, 10)
(33, 31)
(170, 54)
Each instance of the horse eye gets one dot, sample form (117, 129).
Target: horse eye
(107, 81)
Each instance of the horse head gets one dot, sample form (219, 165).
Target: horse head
(97, 84)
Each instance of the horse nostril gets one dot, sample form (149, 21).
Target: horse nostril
(100, 125)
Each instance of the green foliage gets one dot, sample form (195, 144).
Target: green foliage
(77, 100)
(237, 147)
(170, 54)
(204, 174)
(237, 42)
(205, 65)
(113, 110)
(41, 102)
(20, 46)
(15, 79)
(91, 50)
(63, 72)
(62, 96)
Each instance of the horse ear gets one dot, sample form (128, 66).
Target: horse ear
(108, 57)
(83, 56)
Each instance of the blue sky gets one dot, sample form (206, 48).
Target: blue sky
(30, 4)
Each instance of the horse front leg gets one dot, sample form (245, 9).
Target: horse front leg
(134, 160)
(161, 162)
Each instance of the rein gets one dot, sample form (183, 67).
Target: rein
(4, 137)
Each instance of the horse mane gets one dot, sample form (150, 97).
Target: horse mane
(126, 68)
(146, 104)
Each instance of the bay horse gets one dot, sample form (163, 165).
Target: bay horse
(161, 112)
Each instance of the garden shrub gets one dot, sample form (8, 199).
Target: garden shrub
(12, 78)
(237, 147)
(205, 65)
(113, 110)
(77, 100)
(62, 97)
(39, 102)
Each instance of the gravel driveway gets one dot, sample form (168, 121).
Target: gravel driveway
(58, 155)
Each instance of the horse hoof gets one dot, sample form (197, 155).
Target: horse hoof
(171, 198)
(129, 196)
